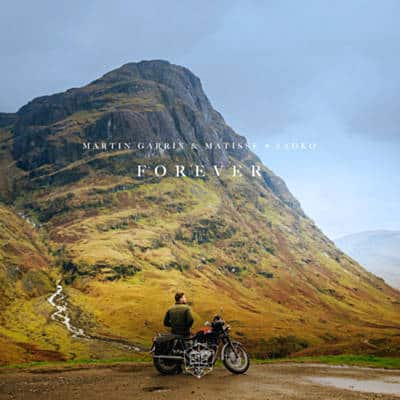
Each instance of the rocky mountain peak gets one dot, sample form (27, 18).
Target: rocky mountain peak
(179, 79)
(147, 101)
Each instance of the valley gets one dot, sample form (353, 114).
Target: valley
(120, 245)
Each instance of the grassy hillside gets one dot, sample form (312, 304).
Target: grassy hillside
(25, 279)
(123, 245)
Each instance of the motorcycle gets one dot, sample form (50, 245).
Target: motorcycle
(196, 355)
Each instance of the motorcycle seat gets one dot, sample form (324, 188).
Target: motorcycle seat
(166, 337)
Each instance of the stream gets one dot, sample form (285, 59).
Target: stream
(59, 302)
(61, 314)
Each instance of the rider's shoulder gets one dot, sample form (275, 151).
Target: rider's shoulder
(180, 306)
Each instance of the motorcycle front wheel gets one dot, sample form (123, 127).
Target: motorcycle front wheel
(167, 367)
(235, 358)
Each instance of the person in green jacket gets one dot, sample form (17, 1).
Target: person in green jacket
(179, 317)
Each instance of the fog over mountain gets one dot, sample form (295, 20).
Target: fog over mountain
(377, 251)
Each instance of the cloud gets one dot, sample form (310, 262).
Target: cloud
(51, 46)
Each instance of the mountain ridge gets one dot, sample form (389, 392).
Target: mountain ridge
(171, 123)
(120, 244)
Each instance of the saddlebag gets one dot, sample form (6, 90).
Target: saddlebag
(163, 343)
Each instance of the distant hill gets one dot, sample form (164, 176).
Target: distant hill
(378, 251)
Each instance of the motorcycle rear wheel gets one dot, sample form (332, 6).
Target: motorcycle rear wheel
(236, 363)
(167, 367)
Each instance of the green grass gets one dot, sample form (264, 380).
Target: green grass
(77, 362)
(345, 359)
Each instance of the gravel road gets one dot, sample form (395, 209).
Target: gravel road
(141, 381)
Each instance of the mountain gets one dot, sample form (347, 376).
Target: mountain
(377, 251)
(121, 244)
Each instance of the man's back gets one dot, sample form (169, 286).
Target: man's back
(179, 318)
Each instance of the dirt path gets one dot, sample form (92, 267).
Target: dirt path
(133, 381)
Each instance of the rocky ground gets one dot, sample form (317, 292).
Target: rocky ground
(277, 381)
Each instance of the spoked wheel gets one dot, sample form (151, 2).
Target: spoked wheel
(235, 358)
(167, 367)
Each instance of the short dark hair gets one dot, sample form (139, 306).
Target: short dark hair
(178, 296)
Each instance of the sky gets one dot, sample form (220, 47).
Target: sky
(323, 73)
